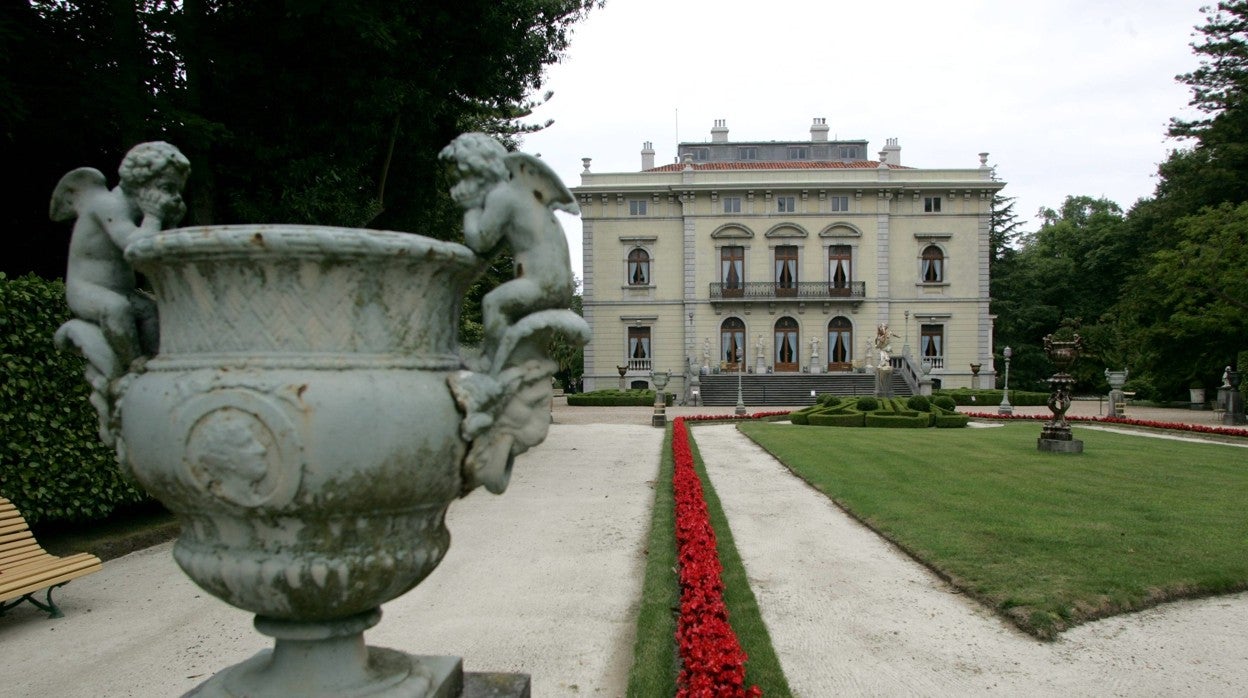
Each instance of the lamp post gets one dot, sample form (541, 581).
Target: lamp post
(740, 411)
(1006, 407)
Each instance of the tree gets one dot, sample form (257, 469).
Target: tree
(320, 112)
(1066, 274)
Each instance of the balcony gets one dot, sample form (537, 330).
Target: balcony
(769, 291)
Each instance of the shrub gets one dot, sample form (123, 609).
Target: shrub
(828, 400)
(617, 398)
(919, 403)
(945, 402)
(947, 420)
(52, 463)
(900, 420)
(867, 403)
(987, 398)
(844, 419)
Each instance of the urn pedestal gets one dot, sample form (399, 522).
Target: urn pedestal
(306, 411)
(1055, 436)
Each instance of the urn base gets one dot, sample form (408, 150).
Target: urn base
(389, 674)
(1060, 445)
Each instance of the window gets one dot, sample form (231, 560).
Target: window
(849, 153)
(786, 204)
(932, 268)
(786, 270)
(732, 269)
(840, 344)
(932, 345)
(786, 344)
(840, 269)
(747, 153)
(931, 204)
(732, 344)
(732, 204)
(700, 153)
(637, 207)
(639, 348)
(638, 268)
(799, 152)
(839, 203)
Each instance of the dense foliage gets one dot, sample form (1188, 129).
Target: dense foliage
(52, 463)
(322, 112)
(1162, 289)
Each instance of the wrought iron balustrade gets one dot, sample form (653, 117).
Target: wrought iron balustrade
(804, 290)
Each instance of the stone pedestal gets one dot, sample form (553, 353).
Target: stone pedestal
(884, 381)
(1232, 403)
(925, 386)
(1059, 446)
(1117, 400)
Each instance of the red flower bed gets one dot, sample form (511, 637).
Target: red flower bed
(712, 661)
(1177, 426)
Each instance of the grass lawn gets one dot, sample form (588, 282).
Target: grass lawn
(1048, 540)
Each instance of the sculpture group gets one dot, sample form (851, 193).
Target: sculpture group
(296, 394)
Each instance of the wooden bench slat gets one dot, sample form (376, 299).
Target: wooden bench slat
(60, 576)
(19, 536)
(21, 556)
(25, 567)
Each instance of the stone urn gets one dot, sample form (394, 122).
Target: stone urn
(1116, 379)
(309, 416)
(1056, 436)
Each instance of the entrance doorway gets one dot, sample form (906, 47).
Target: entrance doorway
(787, 353)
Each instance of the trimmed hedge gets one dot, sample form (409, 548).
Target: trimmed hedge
(899, 420)
(617, 398)
(844, 419)
(52, 463)
(888, 413)
(945, 403)
(984, 398)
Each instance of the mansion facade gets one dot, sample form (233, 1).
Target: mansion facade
(784, 258)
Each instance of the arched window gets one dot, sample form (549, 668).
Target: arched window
(840, 344)
(787, 352)
(933, 266)
(638, 268)
(732, 343)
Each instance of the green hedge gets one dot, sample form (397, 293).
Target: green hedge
(844, 419)
(889, 413)
(992, 398)
(899, 420)
(617, 398)
(950, 420)
(52, 463)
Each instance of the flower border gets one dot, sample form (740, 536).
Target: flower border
(1126, 421)
(712, 661)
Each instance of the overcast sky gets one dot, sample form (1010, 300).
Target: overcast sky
(1068, 98)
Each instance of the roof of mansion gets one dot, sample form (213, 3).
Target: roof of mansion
(776, 165)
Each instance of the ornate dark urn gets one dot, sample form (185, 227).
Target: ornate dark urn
(1055, 436)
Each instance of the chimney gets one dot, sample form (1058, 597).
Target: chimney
(719, 134)
(894, 151)
(647, 156)
(819, 131)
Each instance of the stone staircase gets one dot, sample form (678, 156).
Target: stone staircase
(789, 389)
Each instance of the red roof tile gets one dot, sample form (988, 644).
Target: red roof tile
(777, 165)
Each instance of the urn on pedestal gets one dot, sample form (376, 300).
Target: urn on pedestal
(1055, 436)
(307, 412)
